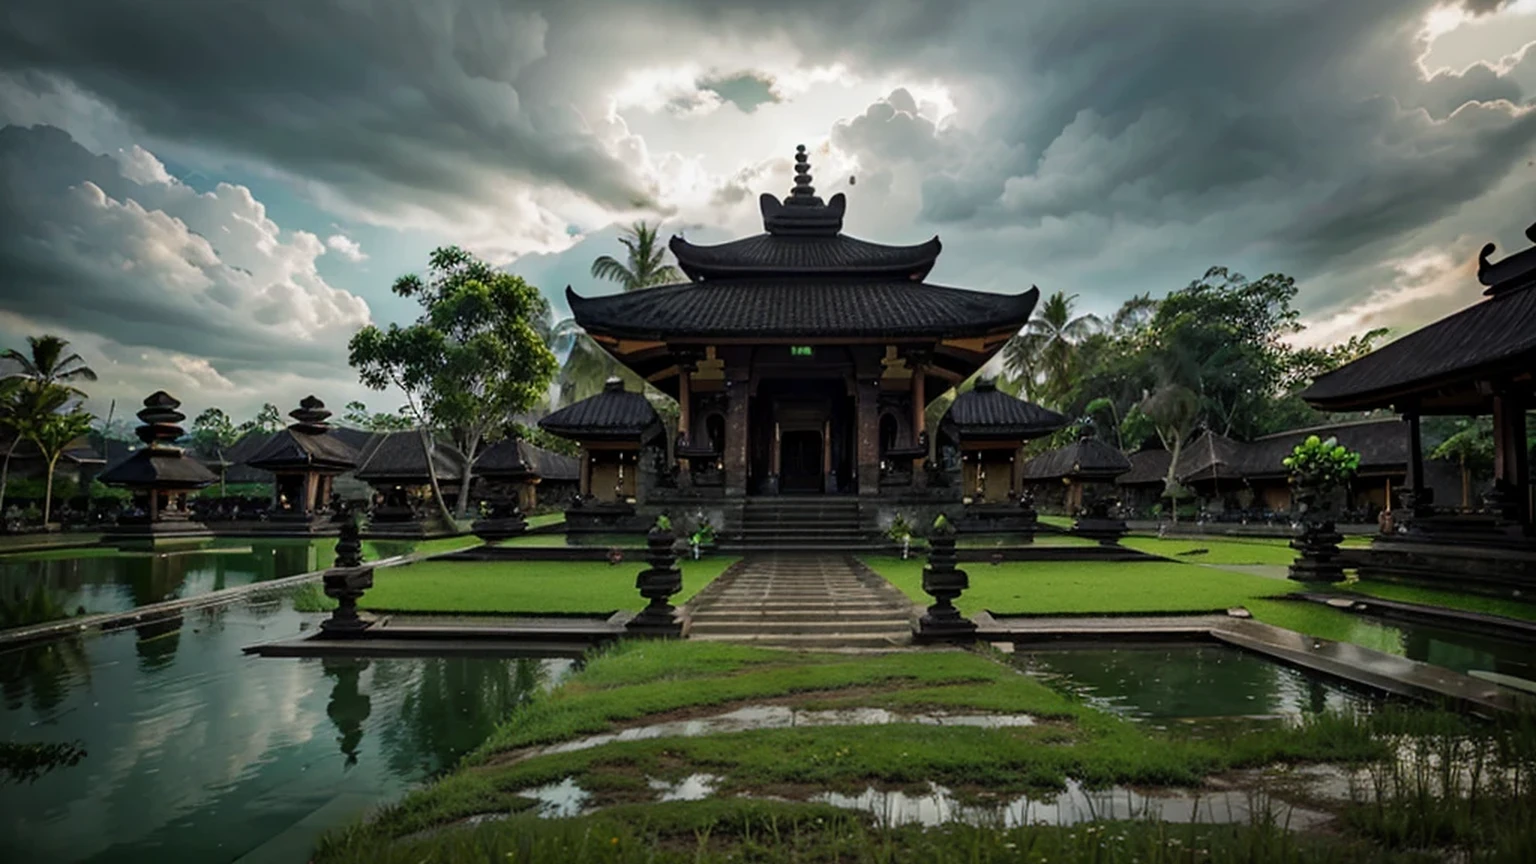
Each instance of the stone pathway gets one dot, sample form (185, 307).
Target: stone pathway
(803, 601)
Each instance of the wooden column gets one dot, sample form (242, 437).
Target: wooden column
(307, 505)
(776, 458)
(684, 414)
(1510, 463)
(154, 505)
(737, 390)
(826, 457)
(1017, 478)
(867, 411)
(1415, 454)
(586, 472)
(919, 415)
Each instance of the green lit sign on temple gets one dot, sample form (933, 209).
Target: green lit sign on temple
(799, 350)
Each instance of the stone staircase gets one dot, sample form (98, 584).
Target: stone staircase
(803, 601)
(809, 523)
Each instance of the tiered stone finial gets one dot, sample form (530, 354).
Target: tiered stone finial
(658, 583)
(803, 193)
(945, 582)
(160, 419)
(311, 416)
(802, 213)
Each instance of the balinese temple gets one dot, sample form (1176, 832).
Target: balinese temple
(1479, 361)
(622, 438)
(504, 485)
(987, 429)
(304, 460)
(396, 466)
(801, 359)
(1085, 472)
(159, 475)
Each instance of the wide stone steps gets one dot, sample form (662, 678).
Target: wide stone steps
(802, 601)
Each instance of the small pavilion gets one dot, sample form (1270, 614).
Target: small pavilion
(304, 460)
(1086, 470)
(396, 466)
(987, 429)
(160, 475)
(1479, 361)
(622, 440)
(505, 481)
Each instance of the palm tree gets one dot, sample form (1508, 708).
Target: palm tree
(53, 433)
(46, 363)
(1044, 353)
(1132, 314)
(646, 265)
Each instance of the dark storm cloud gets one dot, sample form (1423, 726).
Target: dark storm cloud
(382, 99)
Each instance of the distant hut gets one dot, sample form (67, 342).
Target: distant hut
(989, 429)
(612, 427)
(159, 475)
(395, 465)
(304, 459)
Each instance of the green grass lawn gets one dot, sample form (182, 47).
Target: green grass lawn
(1217, 551)
(562, 541)
(1450, 599)
(1089, 587)
(543, 519)
(636, 681)
(475, 587)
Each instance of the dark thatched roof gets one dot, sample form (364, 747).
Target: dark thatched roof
(515, 459)
(774, 255)
(1382, 445)
(1085, 459)
(155, 467)
(802, 307)
(296, 449)
(1148, 468)
(549, 465)
(1497, 334)
(1210, 456)
(401, 457)
(612, 415)
(986, 413)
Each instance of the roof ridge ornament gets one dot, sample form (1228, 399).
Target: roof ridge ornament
(802, 212)
(1517, 270)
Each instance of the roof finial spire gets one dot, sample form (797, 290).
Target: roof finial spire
(803, 188)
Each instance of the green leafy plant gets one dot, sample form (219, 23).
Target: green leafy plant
(703, 533)
(900, 529)
(942, 525)
(1321, 465)
(663, 523)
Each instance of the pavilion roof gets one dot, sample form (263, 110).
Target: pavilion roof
(1495, 335)
(1087, 458)
(1211, 456)
(988, 413)
(615, 414)
(1382, 444)
(802, 307)
(401, 457)
(548, 464)
(1148, 467)
(513, 458)
(158, 467)
(778, 255)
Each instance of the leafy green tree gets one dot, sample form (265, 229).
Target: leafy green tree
(1045, 353)
(23, 406)
(359, 417)
(645, 264)
(213, 433)
(45, 363)
(267, 420)
(53, 433)
(1471, 447)
(473, 358)
(1319, 466)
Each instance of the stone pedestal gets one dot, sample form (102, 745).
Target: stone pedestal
(1318, 558)
(657, 584)
(1098, 521)
(346, 582)
(505, 520)
(944, 582)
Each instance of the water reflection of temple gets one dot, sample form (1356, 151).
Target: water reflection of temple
(349, 706)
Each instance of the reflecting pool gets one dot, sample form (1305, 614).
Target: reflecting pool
(195, 752)
(44, 586)
(1178, 682)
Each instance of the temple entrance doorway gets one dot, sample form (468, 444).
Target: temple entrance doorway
(800, 468)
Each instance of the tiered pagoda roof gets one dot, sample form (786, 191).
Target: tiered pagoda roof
(986, 413)
(803, 278)
(160, 464)
(1437, 366)
(615, 414)
(309, 444)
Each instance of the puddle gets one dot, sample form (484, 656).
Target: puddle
(780, 717)
(1073, 806)
(694, 787)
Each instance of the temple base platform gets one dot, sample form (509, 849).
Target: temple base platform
(1504, 570)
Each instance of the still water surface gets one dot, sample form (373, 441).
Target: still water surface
(198, 753)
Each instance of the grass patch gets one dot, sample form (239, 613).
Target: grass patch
(1089, 587)
(777, 832)
(1449, 599)
(561, 541)
(637, 681)
(1315, 619)
(1216, 551)
(543, 519)
(459, 587)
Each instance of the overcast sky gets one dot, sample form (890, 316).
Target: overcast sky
(211, 198)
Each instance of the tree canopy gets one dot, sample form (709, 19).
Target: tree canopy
(472, 359)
